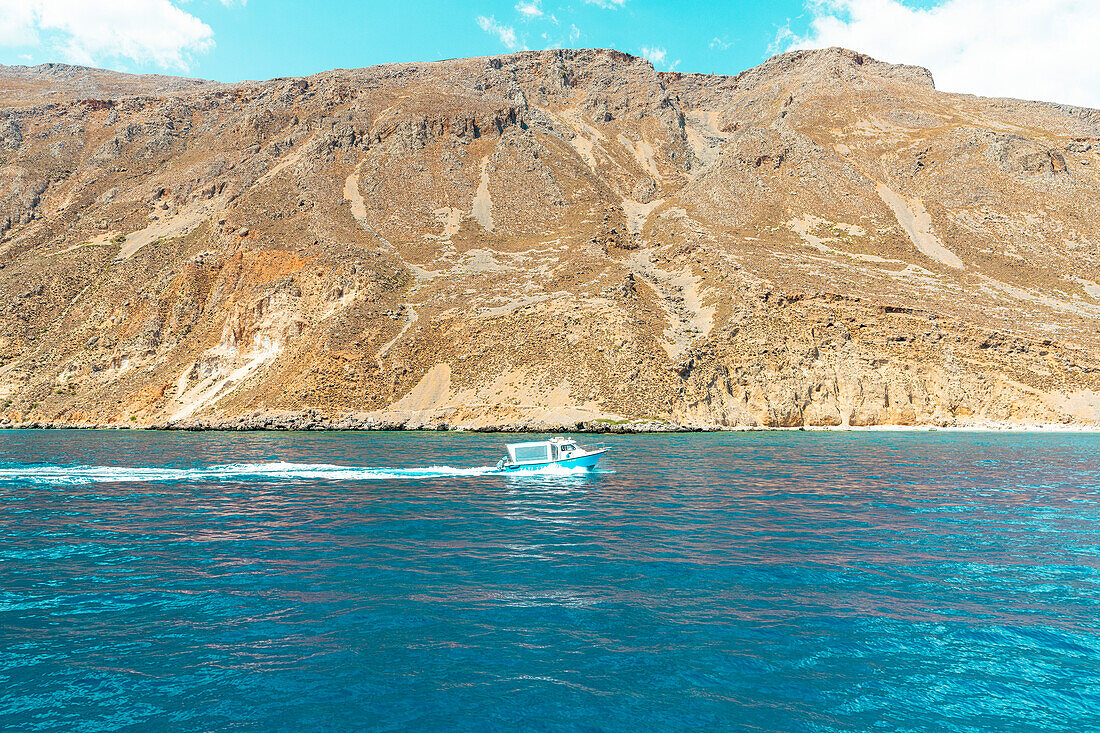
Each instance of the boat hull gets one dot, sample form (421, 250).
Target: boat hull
(586, 461)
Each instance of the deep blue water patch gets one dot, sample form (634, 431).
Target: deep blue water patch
(760, 582)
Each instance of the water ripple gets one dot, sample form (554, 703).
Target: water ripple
(764, 582)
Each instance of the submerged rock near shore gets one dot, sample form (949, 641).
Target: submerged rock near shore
(552, 240)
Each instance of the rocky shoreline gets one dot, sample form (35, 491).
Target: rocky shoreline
(316, 421)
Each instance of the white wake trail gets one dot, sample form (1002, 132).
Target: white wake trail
(67, 475)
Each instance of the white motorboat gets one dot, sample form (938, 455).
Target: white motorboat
(557, 451)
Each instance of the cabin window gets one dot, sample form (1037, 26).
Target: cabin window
(526, 453)
(568, 447)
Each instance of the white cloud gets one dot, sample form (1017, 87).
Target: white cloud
(786, 40)
(529, 8)
(607, 4)
(1038, 49)
(154, 32)
(720, 44)
(655, 55)
(557, 40)
(506, 33)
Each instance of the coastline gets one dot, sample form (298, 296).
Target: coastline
(312, 421)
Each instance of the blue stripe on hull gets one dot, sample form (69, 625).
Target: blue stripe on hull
(588, 461)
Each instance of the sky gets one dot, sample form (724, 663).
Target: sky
(1030, 49)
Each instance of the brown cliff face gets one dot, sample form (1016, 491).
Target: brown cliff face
(543, 239)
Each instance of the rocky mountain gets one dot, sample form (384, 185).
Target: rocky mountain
(544, 239)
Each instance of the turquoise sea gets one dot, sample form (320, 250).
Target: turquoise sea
(772, 581)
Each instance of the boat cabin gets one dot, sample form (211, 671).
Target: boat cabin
(541, 451)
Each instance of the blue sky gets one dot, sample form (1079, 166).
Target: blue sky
(261, 39)
(1038, 49)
